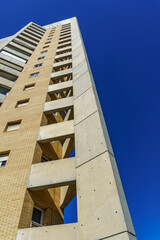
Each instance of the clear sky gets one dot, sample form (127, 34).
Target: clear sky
(122, 39)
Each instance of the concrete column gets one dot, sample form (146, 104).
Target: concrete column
(102, 208)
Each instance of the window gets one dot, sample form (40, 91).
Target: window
(3, 158)
(11, 126)
(44, 51)
(37, 217)
(38, 65)
(4, 90)
(44, 159)
(47, 42)
(28, 87)
(46, 46)
(34, 74)
(41, 57)
(22, 103)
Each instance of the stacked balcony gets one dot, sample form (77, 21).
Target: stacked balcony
(15, 54)
(53, 169)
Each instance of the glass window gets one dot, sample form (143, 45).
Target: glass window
(34, 74)
(37, 217)
(41, 58)
(3, 158)
(38, 65)
(44, 51)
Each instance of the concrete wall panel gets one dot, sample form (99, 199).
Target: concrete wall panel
(80, 70)
(61, 73)
(60, 64)
(63, 55)
(60, 87)
(52, 174)
(59, 232)
(90, 139)
(58, 105)
(6, 83)
(56, 131)
(98, 200)
(85, 105)
(82, 84)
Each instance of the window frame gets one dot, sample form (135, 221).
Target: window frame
(41, 220)
(38, 65)
(40, 58)
(6, 153)
(17, 122)
(36, 74)
(44, 52)
(29, 87)
(21, 102)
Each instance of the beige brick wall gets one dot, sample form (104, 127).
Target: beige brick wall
(22, 143)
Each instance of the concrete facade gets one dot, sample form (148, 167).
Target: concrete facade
(47, 68)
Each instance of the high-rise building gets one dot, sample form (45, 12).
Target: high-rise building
(49, 107)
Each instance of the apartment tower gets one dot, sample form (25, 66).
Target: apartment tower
(54, 143)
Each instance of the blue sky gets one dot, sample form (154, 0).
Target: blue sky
(122, 39)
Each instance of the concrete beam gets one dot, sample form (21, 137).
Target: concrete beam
(9, 70)
(63, 63)
(67, 194)
(64, 55)
(23, 49)
(11, 65)
(25, 44)
(61, 73)
(2, 97)
(59, 87)
(16, 53)
(64, 44)
(6, 83)
(56, 131)
(66, 40)
(36, 31)
(28, 37)
(65, 33)
(58, 105)
(52, 174)
(64, 49)
(38, 28)
(58, 232)
(33, 33)
(66, 30)
(12, 60)
(67, 36)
